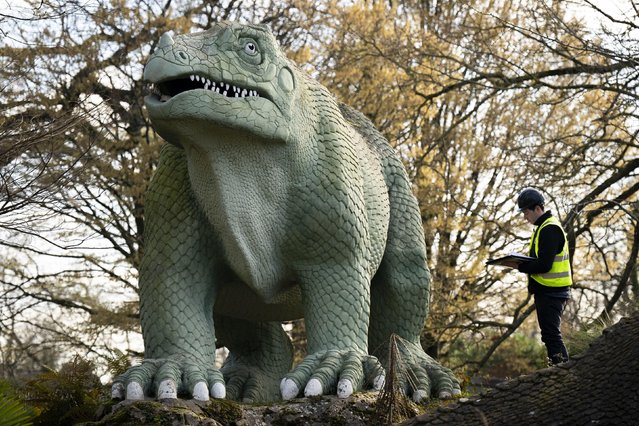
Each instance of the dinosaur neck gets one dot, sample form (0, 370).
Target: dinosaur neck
(243, 185)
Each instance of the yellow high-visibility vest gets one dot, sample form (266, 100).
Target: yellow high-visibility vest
(560, 274)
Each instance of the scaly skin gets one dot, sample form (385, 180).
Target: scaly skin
(269, 208)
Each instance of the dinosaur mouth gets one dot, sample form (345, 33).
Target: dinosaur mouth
(165, 90)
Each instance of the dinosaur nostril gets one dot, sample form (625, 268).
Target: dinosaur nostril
(182, 55)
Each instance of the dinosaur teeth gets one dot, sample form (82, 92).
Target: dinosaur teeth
(165, 90)
(225, 89)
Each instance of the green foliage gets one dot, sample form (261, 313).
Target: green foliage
(119, 363)
(67, 396)
(578, 341)
(517, 355)
(12, 411)
(520, 354)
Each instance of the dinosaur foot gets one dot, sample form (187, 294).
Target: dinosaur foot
(165, 378)
(340, 372)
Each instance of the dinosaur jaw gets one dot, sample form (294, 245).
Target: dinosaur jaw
(165, 90)
(201, 116)
(211, 105)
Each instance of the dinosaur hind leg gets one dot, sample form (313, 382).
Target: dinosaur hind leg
(260, 354)
(399, 305)
(399, 299)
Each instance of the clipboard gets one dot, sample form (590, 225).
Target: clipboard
(512, 257)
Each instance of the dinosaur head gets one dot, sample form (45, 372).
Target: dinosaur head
(231, 76)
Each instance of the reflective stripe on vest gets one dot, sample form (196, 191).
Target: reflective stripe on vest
(559, 275)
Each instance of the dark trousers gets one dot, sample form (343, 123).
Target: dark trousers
(549, 310)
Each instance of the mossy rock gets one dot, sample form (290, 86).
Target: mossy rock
(357, 410)
(157, 413)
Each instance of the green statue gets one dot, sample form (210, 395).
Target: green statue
(272, 202)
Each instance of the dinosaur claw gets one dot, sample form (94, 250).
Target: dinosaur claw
(313, 388)
(134, 391)
(167, 389)
(420, 396)
(289, 389)
(218, 390)
(379, 381)
(200, 392)
(344, 388)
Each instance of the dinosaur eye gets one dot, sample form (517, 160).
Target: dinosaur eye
(249, 51)
(250, 48)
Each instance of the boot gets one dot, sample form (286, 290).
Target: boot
(556, 359)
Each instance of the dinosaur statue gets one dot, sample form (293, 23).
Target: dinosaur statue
(272, 202)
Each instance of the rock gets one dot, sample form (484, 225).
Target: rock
(167, 412)
(358, 410)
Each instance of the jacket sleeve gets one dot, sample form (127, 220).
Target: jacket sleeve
(551, 241)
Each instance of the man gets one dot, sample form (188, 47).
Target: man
(549, 275)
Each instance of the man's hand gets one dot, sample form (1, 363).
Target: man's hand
(510, 264)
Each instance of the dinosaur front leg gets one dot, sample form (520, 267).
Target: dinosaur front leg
(400, 292)
(179, 334)
(178, 278)
(336, 304)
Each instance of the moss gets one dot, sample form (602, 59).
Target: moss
(337, 421)
(223, 411)
(158, 413)
(434, 404)
(128, 415)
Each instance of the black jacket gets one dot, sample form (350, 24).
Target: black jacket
(551, 243)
